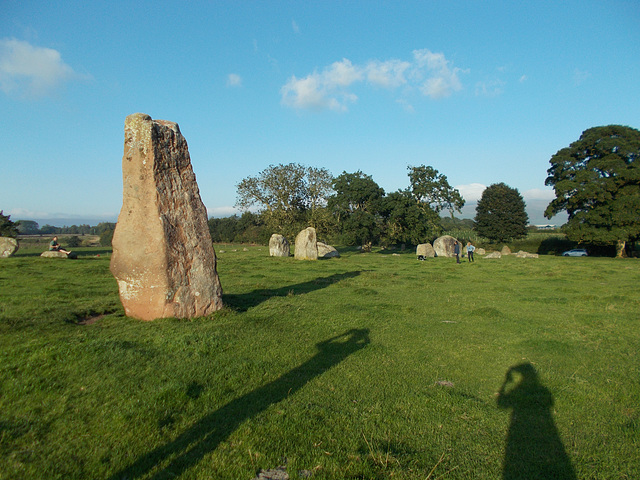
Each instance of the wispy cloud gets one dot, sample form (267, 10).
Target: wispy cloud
(234, 80)
(539, 194)
(490, 88)
(294, 25)
(219, 212)
(473, 192)
(579, 77)
(387, 74)
(331, 88)
(30, 71)
(323, 90)
(442, 79)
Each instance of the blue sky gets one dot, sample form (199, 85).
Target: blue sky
(483, 91)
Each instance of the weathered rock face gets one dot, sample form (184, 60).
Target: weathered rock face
(8, 246)
(523, 254)
(494, 255)
(326, 251)
(425, 250)
(480, 251)
(279, 246)
(505, 250)
(444, 246)
(306, 245)
(163, 258)
(54, 254)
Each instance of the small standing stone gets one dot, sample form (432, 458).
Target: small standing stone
(523, 254)
(306, 245)
(8, 246)
(279, 246)
(425, 250)
(327, 251)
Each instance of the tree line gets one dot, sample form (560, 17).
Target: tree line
(596, 180)
(30, 227)
(352, 209)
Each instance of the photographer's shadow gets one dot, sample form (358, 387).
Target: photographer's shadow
(533, 449)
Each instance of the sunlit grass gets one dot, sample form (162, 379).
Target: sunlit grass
(368, 366)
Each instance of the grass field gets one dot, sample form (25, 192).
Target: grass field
(368, 366)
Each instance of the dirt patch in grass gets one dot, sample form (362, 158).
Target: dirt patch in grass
(90, 320)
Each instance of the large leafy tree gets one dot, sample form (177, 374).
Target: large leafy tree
(356, 205)
(285, 195)
(406, 221)
(597, 182)
(432, 190)
(27, 227)
(501, 214)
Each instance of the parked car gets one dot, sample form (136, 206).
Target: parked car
(576, 252)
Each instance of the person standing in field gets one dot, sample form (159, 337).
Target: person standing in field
(456, 251)
(54, 246)
(470, 250)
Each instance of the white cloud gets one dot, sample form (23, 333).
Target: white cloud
(430, 73)
(442, 80)
(471, 192)
(324, 90)
(523, 78)
(220, 212)
(341, 74)
(234, 80)
(22, 213)
(388, 74)
(294, 25)
(30, 71)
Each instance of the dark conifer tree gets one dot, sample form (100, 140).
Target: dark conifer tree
(501, 214)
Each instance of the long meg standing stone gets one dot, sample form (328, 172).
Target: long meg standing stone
(163, 257)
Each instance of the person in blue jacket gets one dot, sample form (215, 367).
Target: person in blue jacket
(470, 250)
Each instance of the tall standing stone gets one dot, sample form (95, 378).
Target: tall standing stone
(306, 245)
(163, 257)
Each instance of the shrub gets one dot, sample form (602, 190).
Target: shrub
(7, 227)
(106, 237)
(74, 241)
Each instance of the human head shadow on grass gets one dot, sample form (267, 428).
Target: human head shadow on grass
(188, 448)
(244, 301)
(533, 447)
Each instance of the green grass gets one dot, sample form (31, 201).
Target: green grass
(370, 366)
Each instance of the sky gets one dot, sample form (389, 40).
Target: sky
(483, 91)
